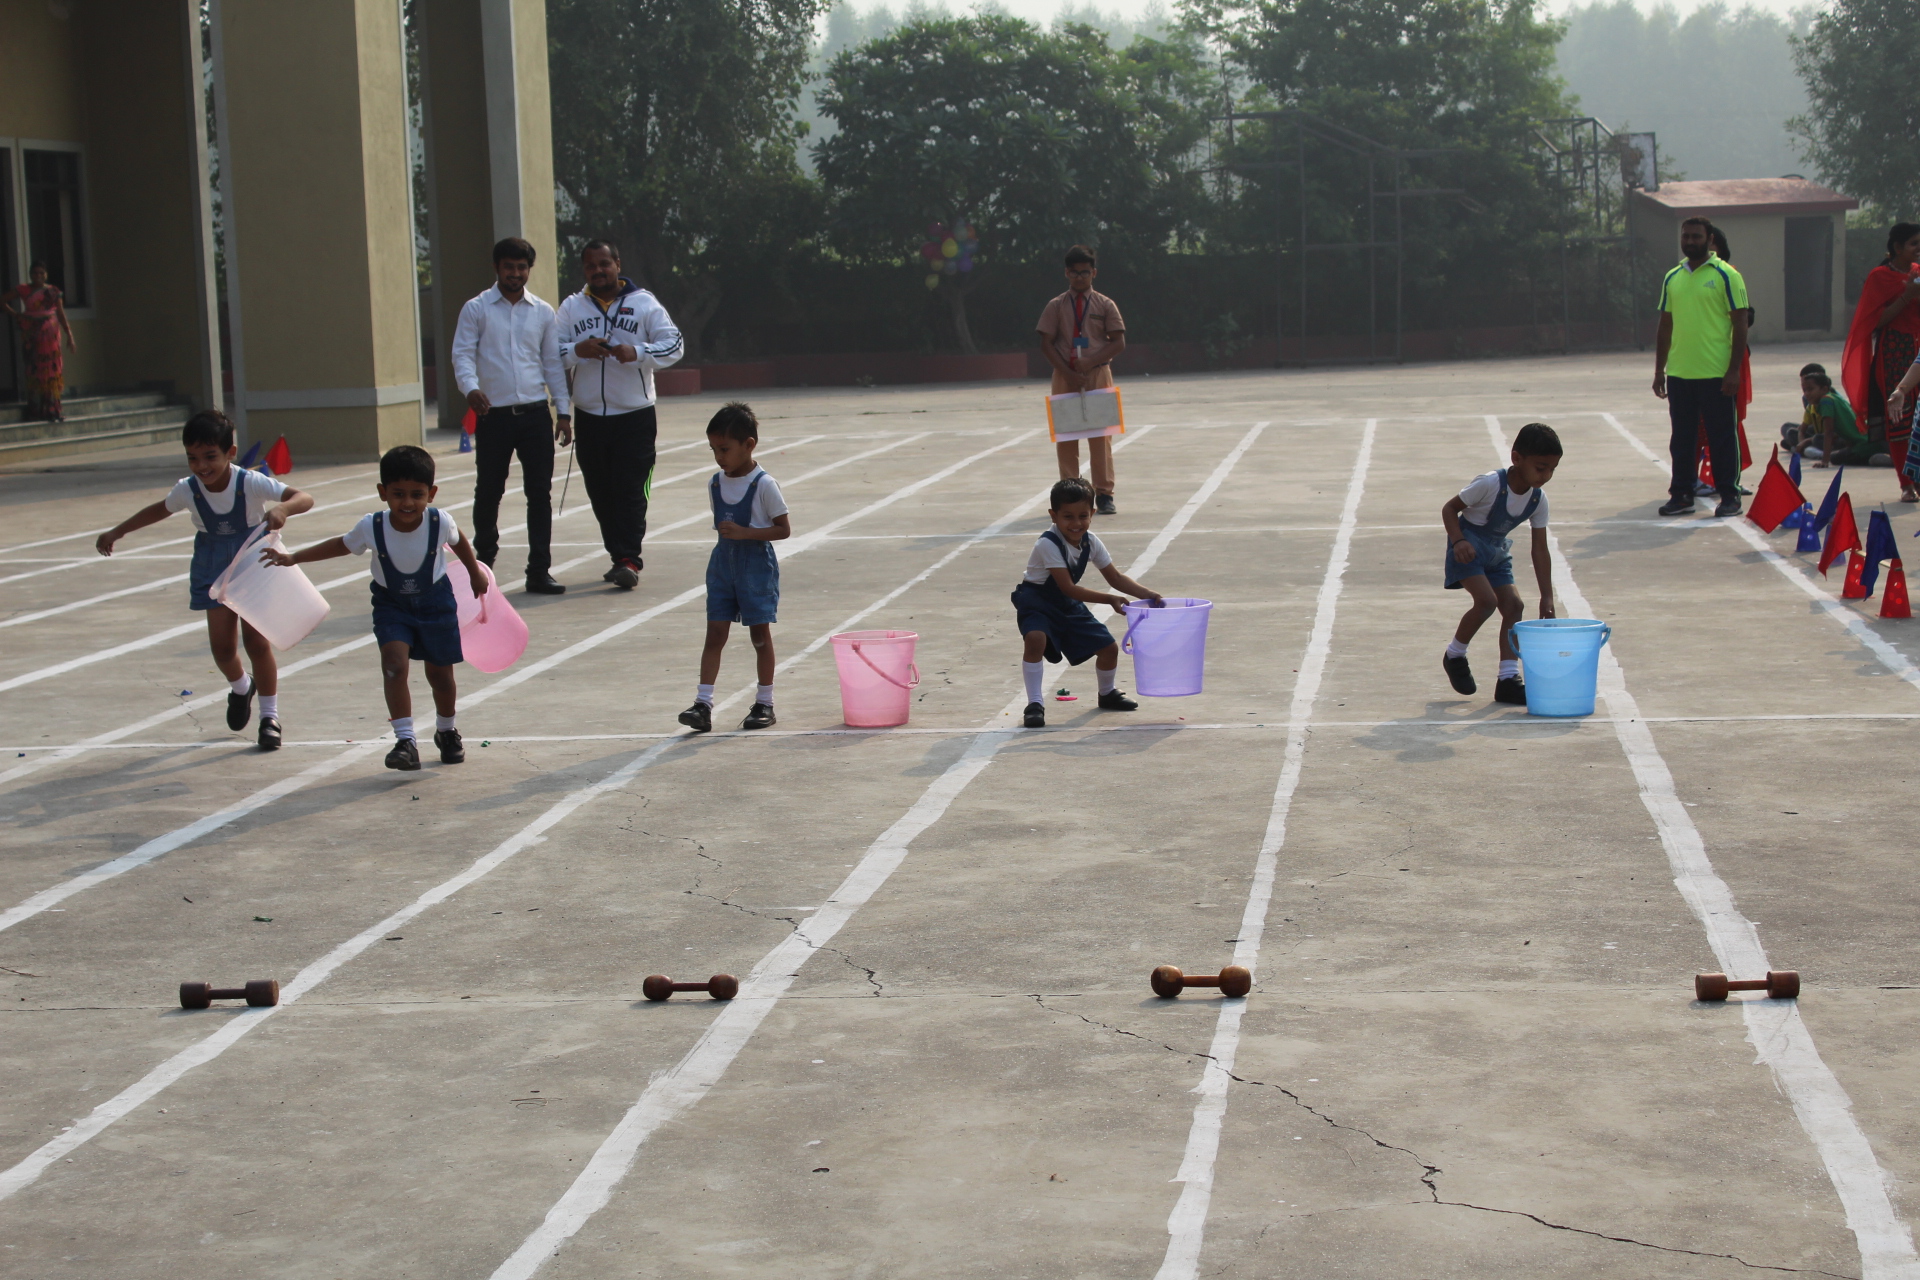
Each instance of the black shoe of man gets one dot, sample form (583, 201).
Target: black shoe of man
(625, 575)
(759, 717)
(1679, 505)
(452, 750)
(1460, 675)
(1510, 690)
(544, 584)
(1114, 700)
(698, 717)
(1035, 716)
(240, 707)
(1103, 505)
(405, 756)
(269, 734)
(1727, 507)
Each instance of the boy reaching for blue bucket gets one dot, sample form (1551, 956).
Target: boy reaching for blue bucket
(1480, 557)
(1051, 605)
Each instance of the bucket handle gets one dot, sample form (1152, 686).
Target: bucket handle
(1126, 641)
(258, 538)
(913, 670)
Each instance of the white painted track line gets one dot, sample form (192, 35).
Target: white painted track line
(1774, 1028)
(683, 1085)
(1187, 1224)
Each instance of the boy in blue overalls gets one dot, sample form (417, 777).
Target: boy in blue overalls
(1051, 605)
(228, 506)
(743, 574)
(1480, 558)
(414, 612)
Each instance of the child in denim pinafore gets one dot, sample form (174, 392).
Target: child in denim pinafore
(743, 574)
(1480, 557)
(254, 500)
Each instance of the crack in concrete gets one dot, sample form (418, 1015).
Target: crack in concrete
(873, 976)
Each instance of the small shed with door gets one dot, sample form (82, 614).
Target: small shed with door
(1788, 239)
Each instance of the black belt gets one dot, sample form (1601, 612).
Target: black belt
(530, 406)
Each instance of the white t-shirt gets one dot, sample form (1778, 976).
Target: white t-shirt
(1046, 556)
(767, 502)
(262, 492)
(1482, 490)
(406, 550)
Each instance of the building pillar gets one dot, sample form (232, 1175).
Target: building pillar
(316, 185)
(489, 157)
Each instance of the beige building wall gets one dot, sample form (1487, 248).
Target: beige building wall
(1759, 244)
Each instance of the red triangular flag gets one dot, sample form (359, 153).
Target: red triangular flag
(468, 423)
(1706, 467)
(1842, 535)
(1777, 498)
(280, 458)
(1893, 601)
(1856, 586)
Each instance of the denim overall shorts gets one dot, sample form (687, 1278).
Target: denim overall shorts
(219, 542)
(1073, 633)
(1492, 553)
(415, 608)
(743, 575)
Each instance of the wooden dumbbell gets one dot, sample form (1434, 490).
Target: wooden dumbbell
(1232, 980)
(721, 986)
(262, 993)
(1779, 984)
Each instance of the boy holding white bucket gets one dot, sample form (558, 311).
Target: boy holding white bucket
(1053, 617)
(227, 505)
(1480, 558)
(743, 574)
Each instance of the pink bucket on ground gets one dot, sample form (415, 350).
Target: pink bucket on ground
(493, 635)
(876, 676)
(1168, 641)
(278, 602)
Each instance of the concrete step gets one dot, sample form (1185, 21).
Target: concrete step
(108, 422)
(90, 406)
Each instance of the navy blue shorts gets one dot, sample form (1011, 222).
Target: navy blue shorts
(1072, 631)
(743, 583)
(430, 630)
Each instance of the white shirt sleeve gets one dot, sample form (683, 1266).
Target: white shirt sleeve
(1480, 491)
(1539, 520)
(180, 497)
(466, 345)
(660, 341)
(359, 539)
(553, 367)
(767, 503)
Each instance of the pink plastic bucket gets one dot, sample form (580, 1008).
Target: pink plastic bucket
(493, 635)
(1168, 641)
(876, 676)
(278, 602)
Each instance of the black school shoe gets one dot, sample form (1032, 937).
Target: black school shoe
(452, 750)
(544, 584)
(698, 717)
(240, 707)
(1114, 700)
(1459, 675)
(1678, 505)
(405, 755)
(269, 734)
(1510, 689)
(760, 717)
(1035, 716)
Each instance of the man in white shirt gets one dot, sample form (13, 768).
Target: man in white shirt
(613, 335)
(506, 360)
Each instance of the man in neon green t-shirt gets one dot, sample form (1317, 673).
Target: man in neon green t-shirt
(1696, 366)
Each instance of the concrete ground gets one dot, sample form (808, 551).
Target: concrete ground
(1471, 1049)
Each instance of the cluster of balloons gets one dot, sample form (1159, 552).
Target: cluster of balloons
(948, 250)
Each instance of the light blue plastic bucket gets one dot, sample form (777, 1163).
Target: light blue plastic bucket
(1561, 662)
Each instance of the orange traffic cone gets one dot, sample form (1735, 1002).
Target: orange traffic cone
(1856, 565)
(1893, 601)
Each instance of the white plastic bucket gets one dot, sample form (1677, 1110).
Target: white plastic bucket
(877, 675)
(277, 602)
(1168, 641)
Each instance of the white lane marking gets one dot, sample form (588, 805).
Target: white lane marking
(681, 1086)
(174, 839)
(1187, 1224)
(30, 1168)
(1774, 1028)
(1889, 657)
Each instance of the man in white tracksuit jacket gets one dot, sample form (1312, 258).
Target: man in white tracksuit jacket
(613, 335)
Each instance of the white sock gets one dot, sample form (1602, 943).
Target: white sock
(1455, 649)
(1035, 675)
(1509, 668)
(269, 706)
(703, 693)
(1106, 678)
(242, 686)
(402, 726)
(443, 723)
(763, 693)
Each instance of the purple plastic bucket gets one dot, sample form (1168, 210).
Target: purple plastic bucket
(1168, 641)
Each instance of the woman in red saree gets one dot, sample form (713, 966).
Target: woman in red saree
(1881, 346)
(43, 320)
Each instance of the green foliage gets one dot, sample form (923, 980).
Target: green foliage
(1717, 87)
(1861, 130)
(1038, 139)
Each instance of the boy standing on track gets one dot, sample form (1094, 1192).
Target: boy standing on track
(1480, 559)
(414, 614)
(1081, 332)
(743, 574)
(227, 506)
(1051, 605)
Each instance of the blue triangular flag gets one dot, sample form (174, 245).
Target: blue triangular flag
(1793, 467)
(1880, 546)
(1830, 503)
(1809, 531)
(252, 456)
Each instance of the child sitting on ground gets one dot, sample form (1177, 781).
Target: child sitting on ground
(1832, 434)
(228, 506)
(743, 574)
(1051, 605)
(1807, 430)
(414, 613)
(1480, 558)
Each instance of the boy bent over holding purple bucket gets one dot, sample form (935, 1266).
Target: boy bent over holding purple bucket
(1480, 558)
(1052, 605)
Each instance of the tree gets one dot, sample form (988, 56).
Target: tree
(673, 130)
(1035, 139)
(1861, 131)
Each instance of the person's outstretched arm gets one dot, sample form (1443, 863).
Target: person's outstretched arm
(292, 503)
(1543, 571)
(328, 550)
(1121, 582)
(140, 519)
